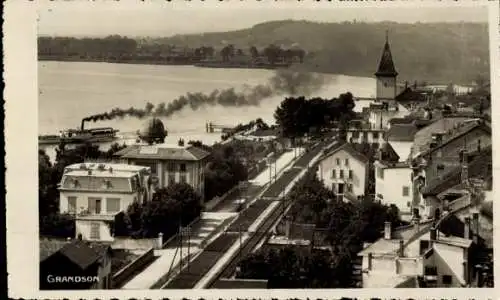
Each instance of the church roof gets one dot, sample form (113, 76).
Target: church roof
(386, 65)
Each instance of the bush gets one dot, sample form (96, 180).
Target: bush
(57, 225)
(170, 207)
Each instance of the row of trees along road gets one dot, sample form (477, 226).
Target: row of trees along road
(343, 226)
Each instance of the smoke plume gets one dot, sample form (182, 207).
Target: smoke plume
(284, 82)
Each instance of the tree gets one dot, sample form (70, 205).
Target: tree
(297, 116)
(171, 207)
(254, 52)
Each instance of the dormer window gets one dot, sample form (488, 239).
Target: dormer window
(75, 183)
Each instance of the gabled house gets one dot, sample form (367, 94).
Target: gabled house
(74, 265)
(418, 255)
(446, 148)
(344, 170)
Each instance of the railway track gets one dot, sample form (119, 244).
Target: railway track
(249, 245)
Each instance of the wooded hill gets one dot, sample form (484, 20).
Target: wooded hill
(432, 52)
(441, 52)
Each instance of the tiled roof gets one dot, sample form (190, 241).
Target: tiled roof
(388, 154)
(386, 65)
(82, 253)
(402, 132)
(106, 166)
(454, 241)
(423, 137)
(164, 152)
(49, 247)
(401, 121)
(349, 149)
(477, 167)
(382, 246)
(267, 132)
(409, 95)
(459, 132)
(76, 180)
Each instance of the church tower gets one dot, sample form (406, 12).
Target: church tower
(386, 74)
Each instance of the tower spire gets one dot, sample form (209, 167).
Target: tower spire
(386, 66)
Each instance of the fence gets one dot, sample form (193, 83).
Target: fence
(132, 268)
(134, 244)
(216, 200)
(175, 236)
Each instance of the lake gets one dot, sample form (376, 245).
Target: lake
(70, 91)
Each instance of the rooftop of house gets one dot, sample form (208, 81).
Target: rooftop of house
(346, 147)
(265, 132)
(448, 233)
(164, 152)
(454, 241)
(411, 95)
(480, 166)
(459, 131)
(50, 246)
(105, 167)
(81, 253)
(110, 182)
(423, 137)
(394, 165)
(388, 154)
(402, 132)
(387, 279)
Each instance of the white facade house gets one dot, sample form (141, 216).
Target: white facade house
(393, 185)
(416, 256)
(96, 193)
(400, 137)
(344, 170)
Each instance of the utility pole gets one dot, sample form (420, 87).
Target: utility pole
(180, 246)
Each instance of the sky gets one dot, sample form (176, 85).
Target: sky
(160, 18)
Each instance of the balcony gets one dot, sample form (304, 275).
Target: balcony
(90, 216)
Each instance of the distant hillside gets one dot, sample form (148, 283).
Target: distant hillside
(438, 52)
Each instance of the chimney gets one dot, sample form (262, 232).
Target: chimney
(465, 173)
(475, 227)
(433, 233)
(387, 231)
(401, 248)
(415, 85)
(466, 228)
(416, 224)
(83, 123)
(406, 84)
